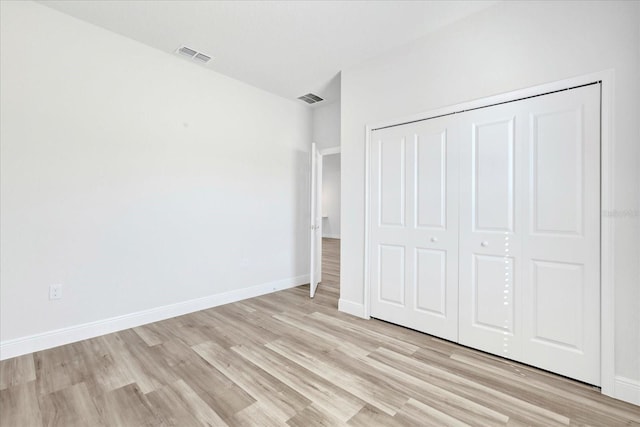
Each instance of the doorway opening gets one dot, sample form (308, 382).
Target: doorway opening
(331, 223)
(325, 221)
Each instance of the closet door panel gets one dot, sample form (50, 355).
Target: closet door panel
(561, 244)
(391, 266)
(550, 246)
(391, 177)
(420, 187)
(431, 180)
(556, 287)
(492, 175)
(492, 302)
(431, 281)
(556, 172)
(490, 236)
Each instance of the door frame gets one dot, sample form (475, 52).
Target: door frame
(607, 232)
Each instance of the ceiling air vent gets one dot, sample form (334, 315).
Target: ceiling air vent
(202, 57)
(310, 98)
(193, 54)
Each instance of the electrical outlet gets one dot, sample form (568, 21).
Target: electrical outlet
(55, 291)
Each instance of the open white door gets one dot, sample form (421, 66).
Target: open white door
(316, 220)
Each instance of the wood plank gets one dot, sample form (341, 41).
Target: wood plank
(126, 406)
(16, 371)
(313, 416)
(323, 393)
(283, 402)
(19, 406)
(417, 413)
(179, 405)
(70, 406)
(370, 416)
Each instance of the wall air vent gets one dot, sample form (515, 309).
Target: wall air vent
(193, 54)
(310, 98)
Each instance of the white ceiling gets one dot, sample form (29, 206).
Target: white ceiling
(289, 48)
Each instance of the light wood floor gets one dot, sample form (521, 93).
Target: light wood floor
(283, 359)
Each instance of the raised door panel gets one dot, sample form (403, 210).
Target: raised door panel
(391, 266)
(493, 293)
(391, 176)
(492, 175)
(558, 302)
(431, 281)
(557, 172)
(431, 180)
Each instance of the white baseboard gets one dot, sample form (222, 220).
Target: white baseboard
(627, 389)
(45, 340)
(352, 308)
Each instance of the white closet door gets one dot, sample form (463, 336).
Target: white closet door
(561, 241)
(414, 227)
(490, 231)
(529, 231)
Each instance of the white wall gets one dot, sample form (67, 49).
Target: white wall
(510, 46)
(137, 179)
(326, 125)
(331, 196)
(326, 134)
